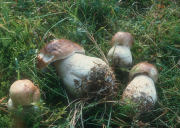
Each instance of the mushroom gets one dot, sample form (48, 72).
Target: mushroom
(23, 93)
(141, 90)
(81, 74)
(120, 54)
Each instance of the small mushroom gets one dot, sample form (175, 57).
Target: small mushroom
(141, 90)
(81, 74)
(120, 54)
(23, 94)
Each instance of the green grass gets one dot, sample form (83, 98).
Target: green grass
(27, 25)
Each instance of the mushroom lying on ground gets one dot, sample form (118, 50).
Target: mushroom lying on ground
(81, 74)
(120, 54)
(23, 94)
(141, 90)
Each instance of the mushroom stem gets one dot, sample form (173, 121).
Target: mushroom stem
(119, 51)
(142, 91)
(18, 122)
(76, 72)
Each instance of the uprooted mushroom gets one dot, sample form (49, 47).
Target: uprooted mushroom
(141, 90)
(81, 74)
(120, 54)
(23, 95)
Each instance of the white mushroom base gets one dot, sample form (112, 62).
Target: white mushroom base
(141, 90)
(10, 104)
(78, 70)
(120, 55)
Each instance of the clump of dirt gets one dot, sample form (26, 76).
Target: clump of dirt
(100, 82)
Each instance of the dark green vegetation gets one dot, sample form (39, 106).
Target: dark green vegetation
(26, 26)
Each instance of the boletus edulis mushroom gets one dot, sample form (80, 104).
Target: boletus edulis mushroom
(81, 74)
(23, 94)
(141, 89)
(120, 54)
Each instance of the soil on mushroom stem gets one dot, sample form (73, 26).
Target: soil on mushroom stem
(100, 83)
(142, 104)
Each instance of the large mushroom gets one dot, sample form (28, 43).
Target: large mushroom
(23, 93)
(141, 90)
(120, 54)
(81, 74)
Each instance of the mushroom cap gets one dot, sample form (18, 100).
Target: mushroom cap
(57, 49)
(24, 92)
(144, 68)
(123, 38)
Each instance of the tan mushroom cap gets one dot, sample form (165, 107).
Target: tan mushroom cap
(24, 92)
(144, 68)
(123, 38)
(57, 49)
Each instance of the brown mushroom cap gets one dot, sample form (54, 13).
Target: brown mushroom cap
(144, 68)
(123, 38)
(23, 92)
(56, 50)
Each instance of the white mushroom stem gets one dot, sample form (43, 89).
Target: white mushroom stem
(120, 55)
(141, 89)
(76, 69)
(10, 104)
